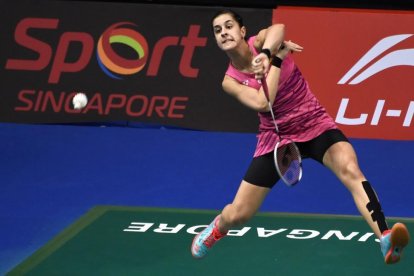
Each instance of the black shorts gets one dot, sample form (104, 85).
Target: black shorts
(262, 171)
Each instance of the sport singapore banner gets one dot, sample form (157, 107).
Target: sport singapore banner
(135, 62)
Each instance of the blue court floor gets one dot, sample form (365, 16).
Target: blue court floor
(53, 174)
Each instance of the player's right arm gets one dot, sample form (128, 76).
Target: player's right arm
(248, 96)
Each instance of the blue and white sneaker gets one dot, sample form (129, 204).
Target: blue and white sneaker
(393, 242)
(206, 239)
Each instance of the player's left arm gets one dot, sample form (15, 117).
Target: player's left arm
(270, 38)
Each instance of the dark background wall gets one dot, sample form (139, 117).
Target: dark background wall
(363, 4)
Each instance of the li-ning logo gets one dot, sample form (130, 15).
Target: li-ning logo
(392, 59)
(113, 64)
(401, 57)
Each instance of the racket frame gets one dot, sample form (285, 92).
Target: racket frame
(288, 183)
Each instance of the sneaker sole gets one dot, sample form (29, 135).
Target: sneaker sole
(192, 246)
(399, 239)
(196, 237)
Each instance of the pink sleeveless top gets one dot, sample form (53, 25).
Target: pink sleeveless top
(299, 115)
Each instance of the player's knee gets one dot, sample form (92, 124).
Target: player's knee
(239, 215)
(350, 171)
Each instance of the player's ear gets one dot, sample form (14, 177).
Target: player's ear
(243, 31)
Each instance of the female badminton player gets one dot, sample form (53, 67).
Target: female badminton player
(300, 117)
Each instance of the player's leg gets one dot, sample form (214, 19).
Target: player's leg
(333, 150)
(259, 179)
(342, 160)
(246, 203)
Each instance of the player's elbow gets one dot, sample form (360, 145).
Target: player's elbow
(279, 27)
(262, 106)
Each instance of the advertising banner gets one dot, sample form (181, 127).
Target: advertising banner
(135, 62)
(360, 64)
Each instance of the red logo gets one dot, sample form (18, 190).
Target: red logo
(362, 72)
(106, 55)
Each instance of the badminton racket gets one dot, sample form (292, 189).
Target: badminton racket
(288, 161)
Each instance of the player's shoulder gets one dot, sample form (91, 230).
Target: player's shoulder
(229, 83)
(228, 80)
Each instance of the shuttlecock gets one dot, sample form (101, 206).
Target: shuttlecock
(79, 101)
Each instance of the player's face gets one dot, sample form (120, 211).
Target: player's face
(227, 32)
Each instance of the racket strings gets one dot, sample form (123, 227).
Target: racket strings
(289, 163)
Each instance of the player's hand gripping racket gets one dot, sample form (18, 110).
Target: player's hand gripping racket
(287, 158)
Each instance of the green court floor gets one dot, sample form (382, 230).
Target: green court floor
(111, 240)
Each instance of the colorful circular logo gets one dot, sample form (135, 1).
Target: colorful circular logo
(112, 63)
